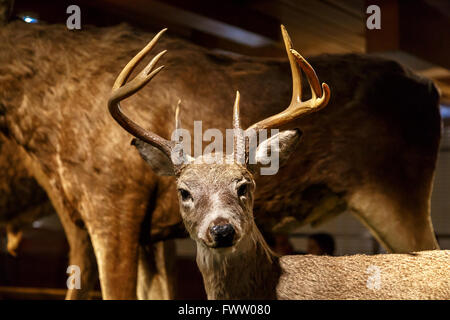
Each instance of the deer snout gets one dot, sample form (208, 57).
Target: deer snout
(223, 235)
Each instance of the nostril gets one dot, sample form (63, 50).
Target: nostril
(222, 230)
(223, 235)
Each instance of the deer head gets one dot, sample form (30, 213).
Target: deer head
(216, 199)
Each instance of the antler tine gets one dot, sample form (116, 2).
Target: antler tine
(295, 72)
(238, 135)
(236, 117)
(177, 116)
(121, 92)
(126, 71)
(313, 80)
(297, 107)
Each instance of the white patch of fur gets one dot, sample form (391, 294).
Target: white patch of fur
(218, 210)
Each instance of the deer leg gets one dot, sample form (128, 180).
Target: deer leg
(400, 226)
(81, 255)
(115, 239)
(116, 253)
(156, 271)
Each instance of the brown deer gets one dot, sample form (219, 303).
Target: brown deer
(360, 153)
(216, 195)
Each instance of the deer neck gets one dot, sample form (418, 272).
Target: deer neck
(250, 271)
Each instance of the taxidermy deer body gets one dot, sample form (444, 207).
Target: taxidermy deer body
(252, 271)
(360, 153)
(216, 194)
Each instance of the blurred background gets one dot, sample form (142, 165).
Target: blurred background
(415, 33)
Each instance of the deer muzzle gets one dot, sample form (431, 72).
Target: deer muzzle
(223, 235)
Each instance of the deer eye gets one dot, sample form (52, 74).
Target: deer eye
(185, 195)
(242, 190)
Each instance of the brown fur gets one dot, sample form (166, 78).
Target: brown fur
(360, 151)
(420, 275)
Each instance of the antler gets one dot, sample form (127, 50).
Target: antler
(122, 90)
(238, 134)
(297, 107)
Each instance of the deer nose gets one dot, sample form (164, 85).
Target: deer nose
(223, 235)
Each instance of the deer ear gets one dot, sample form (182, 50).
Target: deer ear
(160, 163)
(275, 151)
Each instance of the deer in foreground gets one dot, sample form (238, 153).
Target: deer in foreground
(216, 204)
(118, 214)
